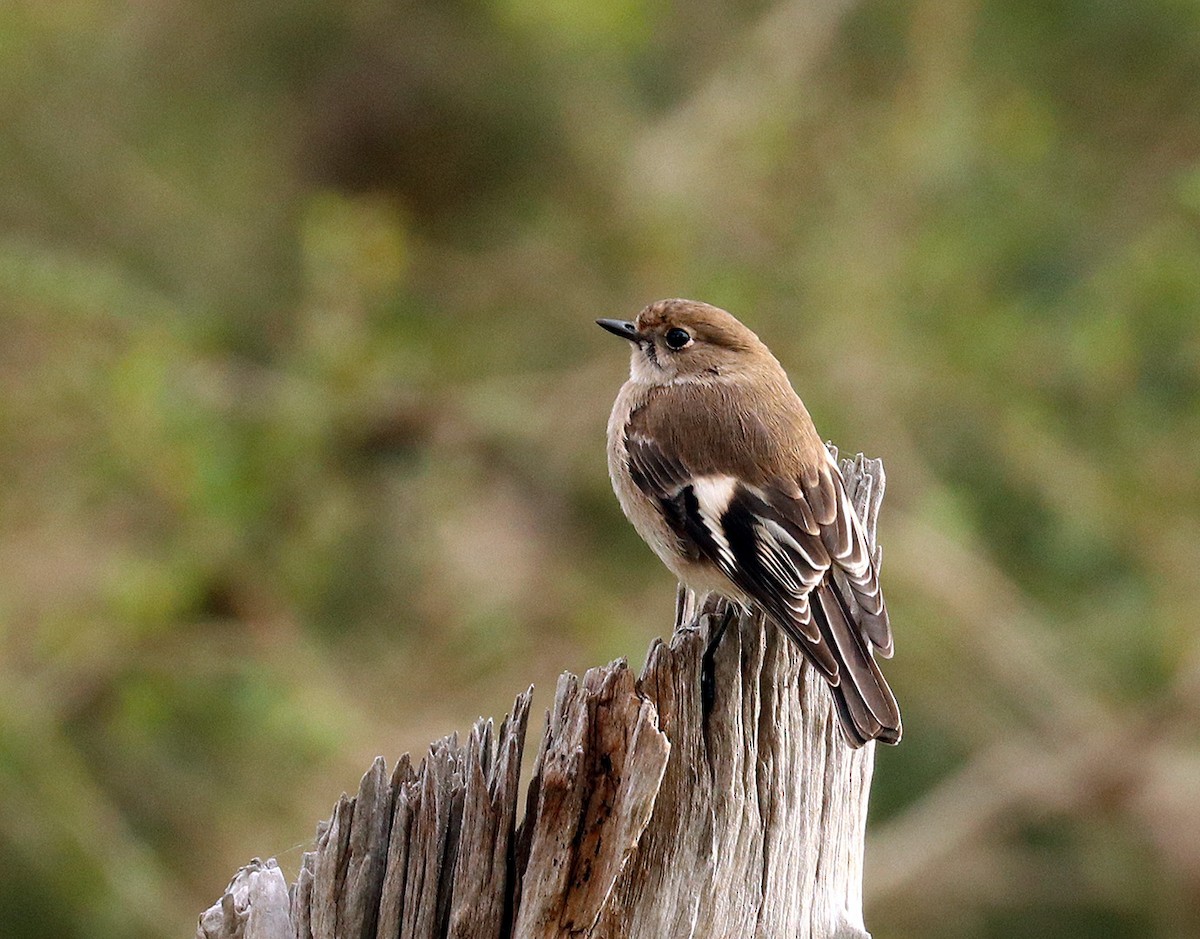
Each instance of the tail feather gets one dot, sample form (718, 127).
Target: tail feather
(866, 608)
(865, 704)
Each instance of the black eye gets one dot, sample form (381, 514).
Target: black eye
(678, 338)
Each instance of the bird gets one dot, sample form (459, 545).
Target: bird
(717, 464)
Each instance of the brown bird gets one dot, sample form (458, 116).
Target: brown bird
(716, 462)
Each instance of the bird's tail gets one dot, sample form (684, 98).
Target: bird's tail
(865, 703)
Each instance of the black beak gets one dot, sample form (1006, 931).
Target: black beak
(620, 328)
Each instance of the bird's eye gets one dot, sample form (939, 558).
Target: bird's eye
(678, 338)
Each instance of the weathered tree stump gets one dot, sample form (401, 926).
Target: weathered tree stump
(645, 816)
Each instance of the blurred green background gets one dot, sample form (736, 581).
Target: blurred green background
(302, 411)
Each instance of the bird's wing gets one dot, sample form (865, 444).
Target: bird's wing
(796, 547)
(763, 538)
(775, 540)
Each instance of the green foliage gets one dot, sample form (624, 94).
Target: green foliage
(302, 410)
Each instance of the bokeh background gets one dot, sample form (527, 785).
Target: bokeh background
(302, 410)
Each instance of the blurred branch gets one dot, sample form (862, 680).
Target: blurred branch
(999, 629)
(73, 828)
(763, 78)
(1116, 762)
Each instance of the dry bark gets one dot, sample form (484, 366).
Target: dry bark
(647, 814)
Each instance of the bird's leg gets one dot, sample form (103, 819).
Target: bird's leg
(683, 606)
(719, 613)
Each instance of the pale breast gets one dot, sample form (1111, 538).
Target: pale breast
(644, 512)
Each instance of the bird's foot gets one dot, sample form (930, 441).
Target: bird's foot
(717, 614)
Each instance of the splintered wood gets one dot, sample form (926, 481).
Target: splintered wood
(645, 816)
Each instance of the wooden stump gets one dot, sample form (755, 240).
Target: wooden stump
(645, 817)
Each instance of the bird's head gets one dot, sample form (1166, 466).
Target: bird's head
(685, 340)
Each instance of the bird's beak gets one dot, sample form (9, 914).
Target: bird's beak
(622, 328)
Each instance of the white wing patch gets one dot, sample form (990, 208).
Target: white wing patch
(713, 495)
